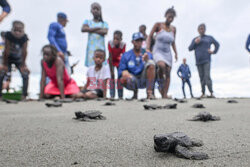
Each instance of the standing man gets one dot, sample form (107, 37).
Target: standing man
(185, 77)
(201, 45)
(248, 43)
(137, 68)
(57, 38)
(6, 9)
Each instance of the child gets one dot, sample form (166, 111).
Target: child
(60, 82)
(97, 77)
(116, 49)
(142, 29)
(15, 53)
(6, 80)
(97, 29)
(185, 76)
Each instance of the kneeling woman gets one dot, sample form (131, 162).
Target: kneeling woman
(60, 82)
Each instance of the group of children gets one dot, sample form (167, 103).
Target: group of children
(100, 76)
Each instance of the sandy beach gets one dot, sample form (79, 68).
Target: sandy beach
(33, 135)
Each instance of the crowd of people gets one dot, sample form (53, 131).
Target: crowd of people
(147, 63)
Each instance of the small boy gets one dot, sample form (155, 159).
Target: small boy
(185, 76)
(116, 48)
(97, 77)
(15, 53)
(142, 29)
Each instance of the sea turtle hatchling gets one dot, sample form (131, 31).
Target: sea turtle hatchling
(155, 106)
(89, 115)
(205, 116)
(179, 144)
(198, 105)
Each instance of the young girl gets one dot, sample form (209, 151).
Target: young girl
(165, 38)
(97, 29)
(60, 82)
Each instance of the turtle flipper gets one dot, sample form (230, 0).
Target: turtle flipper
(195, 118)
(101, 117)
(196, 142)
(184, 152)
(215, 118)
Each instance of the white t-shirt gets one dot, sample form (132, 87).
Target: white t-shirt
(97, 77)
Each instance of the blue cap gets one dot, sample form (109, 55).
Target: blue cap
(61, 15)
(137, 35)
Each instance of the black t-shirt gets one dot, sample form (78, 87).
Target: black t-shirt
(16, 44)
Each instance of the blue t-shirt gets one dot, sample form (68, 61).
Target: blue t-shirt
(57, 37)
(129, 62)
(201, 49)
(5, 5)
(185, 71)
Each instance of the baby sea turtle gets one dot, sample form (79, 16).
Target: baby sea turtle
(179, 144)
(55, 104)
(180, 100)
(198, 105)
(89, 115)
(232, 101)
(205, 116)
(155, 106)
(142, 100)
(109, 104)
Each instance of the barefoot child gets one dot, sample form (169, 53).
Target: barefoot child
(16, 42)
(116, 49)
(60, 82)
(97, 77)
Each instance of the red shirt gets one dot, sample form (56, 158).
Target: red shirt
(116, 53)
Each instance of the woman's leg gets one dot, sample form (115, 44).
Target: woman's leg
(167, 74)
(161, 76)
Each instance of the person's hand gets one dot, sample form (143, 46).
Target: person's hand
(24, 69)
(145, 57)
(176, 57)
(210, 51)
(148, 50)
(60, 54)
(197, 40)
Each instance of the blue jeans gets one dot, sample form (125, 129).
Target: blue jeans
(113, 82)
(183, 87)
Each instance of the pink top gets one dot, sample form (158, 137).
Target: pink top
(51, 73)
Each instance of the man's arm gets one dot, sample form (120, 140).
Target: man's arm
(248, 43)
(216, 46)
(178, 72)
(189, 72)
(192, 45)
(6, 9)
(51, 36)
(59, 76)
(122, 66)
(6, 52)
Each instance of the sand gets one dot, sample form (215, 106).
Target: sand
(33, 135)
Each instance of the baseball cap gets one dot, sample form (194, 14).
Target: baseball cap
(62, 15)
(137, 36)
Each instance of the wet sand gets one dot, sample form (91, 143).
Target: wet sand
(33, 135)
